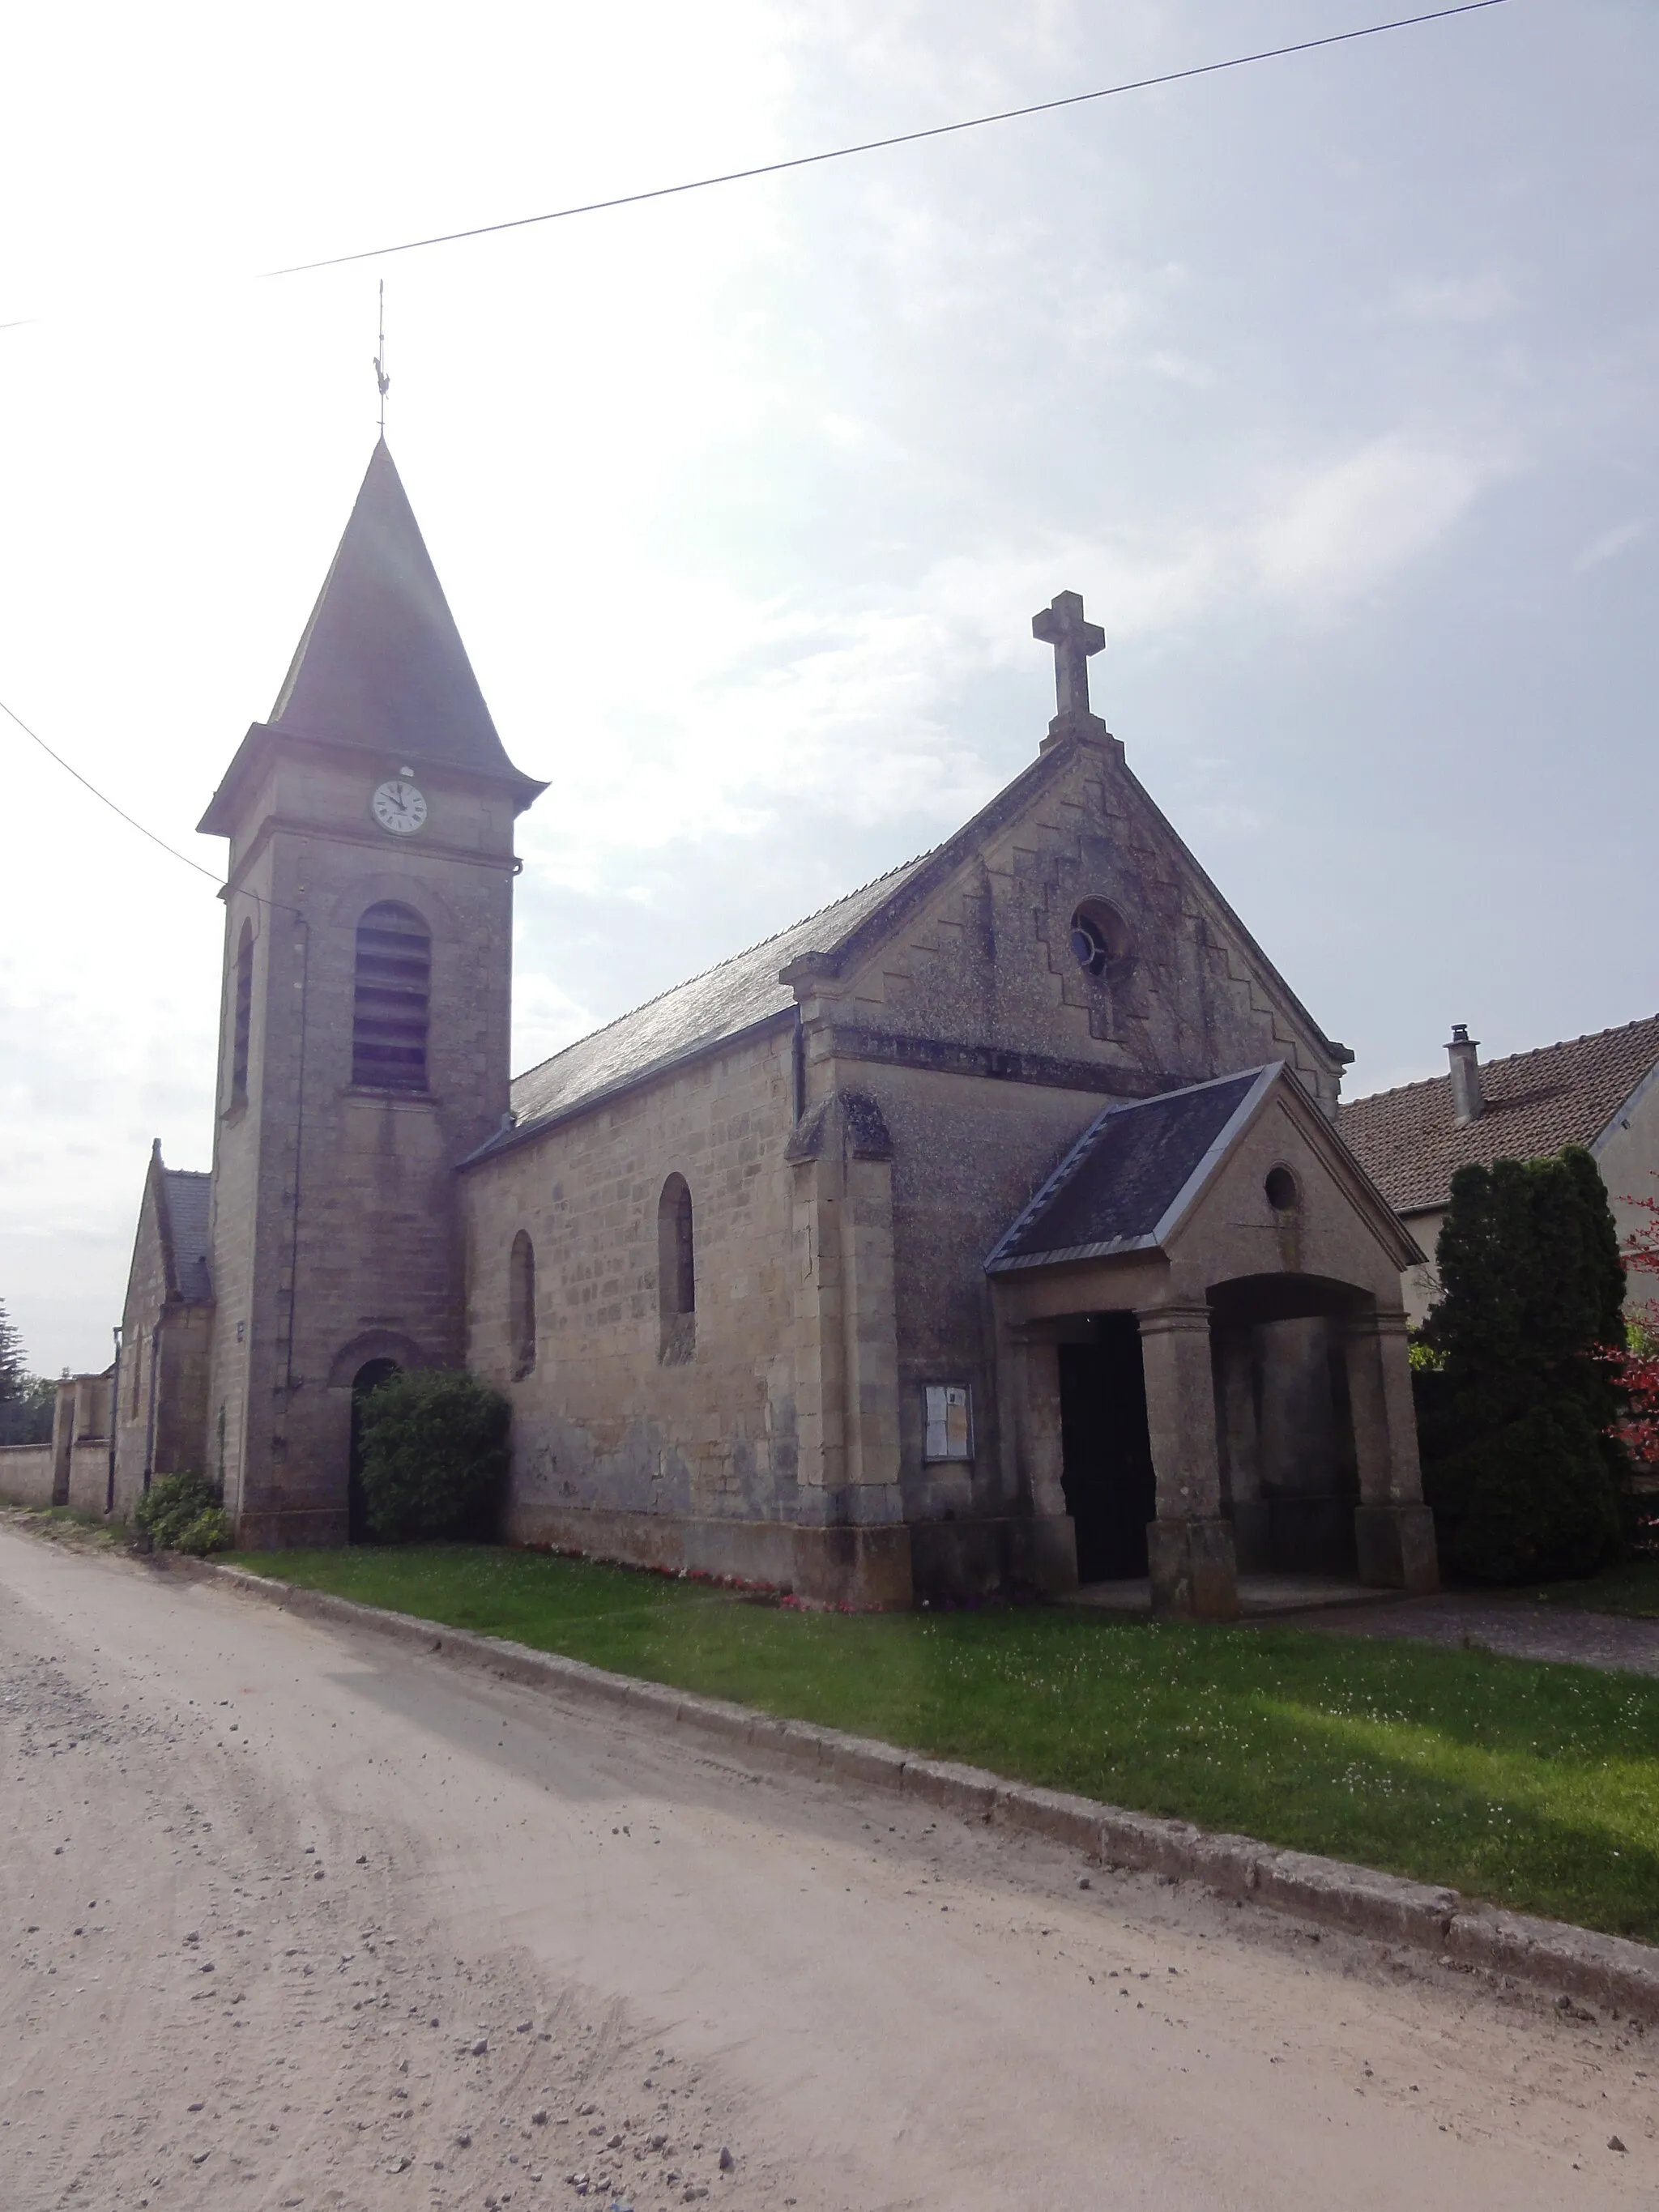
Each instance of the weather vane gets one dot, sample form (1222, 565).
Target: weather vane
(382, 380)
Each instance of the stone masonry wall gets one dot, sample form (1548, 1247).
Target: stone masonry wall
(26, 1475)
(968, 1152)
(602, 1420)
(160, 1410)
(138, 1384)
(336, 1228)
(988, 961)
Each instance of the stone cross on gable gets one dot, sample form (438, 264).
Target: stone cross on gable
(1061, 624)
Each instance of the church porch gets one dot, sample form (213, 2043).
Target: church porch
(1200, 1339)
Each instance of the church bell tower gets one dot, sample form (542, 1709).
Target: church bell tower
(364, 1032)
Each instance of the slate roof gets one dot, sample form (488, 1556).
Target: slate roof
(1131, 1174)
(381, 662)
(1535, 1101)
(381, 666)
(189, 1194)
(721, 1003)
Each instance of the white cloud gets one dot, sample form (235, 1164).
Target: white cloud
(1610, 544)
(1347, 528)
(1465, 300)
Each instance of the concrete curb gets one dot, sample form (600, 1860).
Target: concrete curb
(1572, 1963)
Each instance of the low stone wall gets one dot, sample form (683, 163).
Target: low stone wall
(865, 1569)
(26, 1475)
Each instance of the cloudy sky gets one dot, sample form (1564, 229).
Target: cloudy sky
(1329, 383)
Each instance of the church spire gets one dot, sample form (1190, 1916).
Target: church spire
(381, 665)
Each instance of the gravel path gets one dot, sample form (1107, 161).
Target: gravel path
(291, 1918)
(1518, 1629)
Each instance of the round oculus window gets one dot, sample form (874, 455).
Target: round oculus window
(1281, 1189)
(1098, 937)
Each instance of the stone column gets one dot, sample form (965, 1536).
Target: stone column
(1394, 1530)
(1030, 1369)
(851, 1544)
(1189, 1546)
(1241, 1442)
(62, 1441)
(870, 1357)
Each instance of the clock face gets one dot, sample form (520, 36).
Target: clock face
(400, 808)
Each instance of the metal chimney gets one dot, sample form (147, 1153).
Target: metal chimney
(1468, 1102)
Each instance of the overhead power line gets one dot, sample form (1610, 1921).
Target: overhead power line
(104, 798)
(879, 145)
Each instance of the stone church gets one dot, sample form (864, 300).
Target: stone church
(989, 1229)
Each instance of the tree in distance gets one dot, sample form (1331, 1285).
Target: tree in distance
(27, 1400)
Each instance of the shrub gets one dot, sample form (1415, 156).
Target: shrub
(434, 1456)
(1515, 1398)
(185, 1513)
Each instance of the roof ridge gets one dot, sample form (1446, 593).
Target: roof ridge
(714, 967)
(1396, 1090)
(1506, 1059)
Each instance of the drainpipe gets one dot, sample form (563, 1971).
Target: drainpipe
(302, 933)
(1468, 1101)
(114, 1422)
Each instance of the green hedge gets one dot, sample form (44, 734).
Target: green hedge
(435, 1456)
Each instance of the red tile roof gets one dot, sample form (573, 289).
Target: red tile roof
(1535, 1102)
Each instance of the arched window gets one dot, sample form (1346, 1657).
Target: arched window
(521, 1304)
(677, 1271)
(242, 1025)
(392, 996)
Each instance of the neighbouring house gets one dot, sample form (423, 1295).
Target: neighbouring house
(1599, 1091)
(991, 1227)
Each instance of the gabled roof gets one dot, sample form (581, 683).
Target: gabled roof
(746, 991)
(1134, 1174)
(381, 666)
(722, 1003)
(187, 1195)
(927, 876)
(182, 1199)
(1535, 1101)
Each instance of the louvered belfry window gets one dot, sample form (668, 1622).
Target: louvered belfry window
(243, 1027)
(392, 1001)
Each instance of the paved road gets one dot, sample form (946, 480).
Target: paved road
(290, 1917)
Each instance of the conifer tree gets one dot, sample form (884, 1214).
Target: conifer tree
(1517, 1414)
(13, 1377)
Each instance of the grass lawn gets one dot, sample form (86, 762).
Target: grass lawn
(1535, 1786)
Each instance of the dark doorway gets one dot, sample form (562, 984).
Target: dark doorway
(1110, 1490)
(368, 1377)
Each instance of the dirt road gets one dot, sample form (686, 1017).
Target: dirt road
(290, 1917)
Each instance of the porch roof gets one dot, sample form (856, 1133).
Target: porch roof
(1133, 1174)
